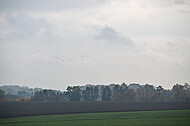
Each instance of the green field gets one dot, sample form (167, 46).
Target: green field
(143, 118)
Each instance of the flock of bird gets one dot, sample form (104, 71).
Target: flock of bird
(74, 57)
(87, 56)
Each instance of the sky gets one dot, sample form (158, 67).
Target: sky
(60, 43)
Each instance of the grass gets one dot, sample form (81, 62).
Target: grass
(143, 118)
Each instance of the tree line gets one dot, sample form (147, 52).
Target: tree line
(116, 92)
(113, 92)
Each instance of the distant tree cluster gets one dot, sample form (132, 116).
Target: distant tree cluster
(132, 92)
(4, 97)
(112, 92)
(48, 95)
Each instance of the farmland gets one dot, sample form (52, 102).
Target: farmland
(19, 109)
(140, 118)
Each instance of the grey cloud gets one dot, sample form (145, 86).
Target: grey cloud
(46, 5)
(170, 44)
(180, 1)
(24, 27)
(110, 35)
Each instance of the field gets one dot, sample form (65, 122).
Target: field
(22, 109)
(140, 118)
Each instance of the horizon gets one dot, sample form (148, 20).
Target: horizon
(44, 88)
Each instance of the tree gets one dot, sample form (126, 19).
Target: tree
(106, 96)
(3, 97)
(23, 99)
(48, 95)
(149, 91)
(2, 94)
(73, 93)
(38, 96)
(87, 94)
(95, 93)
(140, 94)
(115, 96)
(23, 94)
(178, 92)
(186, 90)
(159, 91)
(118, 93)
(181, 93)
(130, 95)
(186, 87)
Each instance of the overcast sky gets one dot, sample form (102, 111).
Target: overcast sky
(57, 43)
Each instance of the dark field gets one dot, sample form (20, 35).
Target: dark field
(17, 109)
(140, 118)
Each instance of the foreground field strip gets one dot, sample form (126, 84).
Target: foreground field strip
(81, 117)
(144, 118)
(26, 122)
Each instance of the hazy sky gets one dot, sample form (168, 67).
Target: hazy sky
(56, 43)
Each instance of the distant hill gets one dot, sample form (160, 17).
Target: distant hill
(19, 90)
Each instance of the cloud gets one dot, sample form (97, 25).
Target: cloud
(17, 27)
(170, 44)
(32, 33)
(180, 1)
(112, 36)
(47, 5)
(24, 27)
